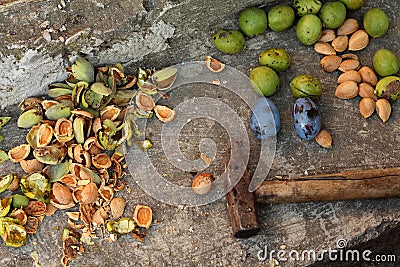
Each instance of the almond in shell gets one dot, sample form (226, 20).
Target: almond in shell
(324, 139)
(324, 49)
(358, 40)
(331, 63)
(383, 108)
(368, 75)
(327, 36)
(117, 207)
(347, 90)
(350, 75)
(367, 107)
(340, 43)
(350, 64)
(365, 90)
(348, 27)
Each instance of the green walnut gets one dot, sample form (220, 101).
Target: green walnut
(332, 14)
(353, 4)
(306, 86)
(376, 22)
(264, 80)
(229, 41)
(388, 87)
(309, 29)
(304, 7)
(280, 18)
(276, 58)
(385, 62)
(253, 21)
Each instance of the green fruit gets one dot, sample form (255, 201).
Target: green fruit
(253, 21)
(309, 29)
(228, 41)
(304, 7)
(306, 86)
(385, 62)
(280, 18)
(353, 4)
(376, 22)
(19, 201)
(388, 87)
(264, 80)
(333, 14)
(275, 58)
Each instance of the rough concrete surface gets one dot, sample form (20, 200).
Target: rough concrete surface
(39, 38)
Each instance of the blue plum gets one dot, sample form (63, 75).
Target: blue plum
(306, 118)
(265, 120)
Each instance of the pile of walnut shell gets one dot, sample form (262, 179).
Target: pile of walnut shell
(355, 78)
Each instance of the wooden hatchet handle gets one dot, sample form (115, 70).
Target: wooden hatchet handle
(362, 184)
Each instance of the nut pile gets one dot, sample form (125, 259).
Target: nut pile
(73, 157)
(355, 79)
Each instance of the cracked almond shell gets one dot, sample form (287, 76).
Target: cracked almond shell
(44, 135)
(202, 183)
(63, 130)
(214, 65)
(164, 114)
(164, 78)
(19, 153)
(51, 155)
(144, 101)
(101, 161)
(110, 113)
(143, 216)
